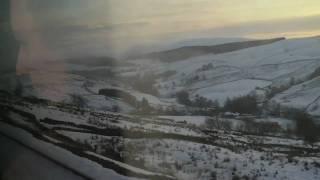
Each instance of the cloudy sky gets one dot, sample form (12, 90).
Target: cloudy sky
(87, 27)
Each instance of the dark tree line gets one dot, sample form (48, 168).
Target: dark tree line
(306, 127)
(244, 104)
(183, 97)
(247, 104)
(206, 67)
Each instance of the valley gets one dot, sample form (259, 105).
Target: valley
(240, 112)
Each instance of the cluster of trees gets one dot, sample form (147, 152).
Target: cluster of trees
(145, 83)
(78, 100)
(203, 102)
(144, 107)
(260, 128)
(199, 105)
(247, 104)
(183, 97)
(195, 78)
(206, 67)
(306, 127)
(248, 126)
(215, 123)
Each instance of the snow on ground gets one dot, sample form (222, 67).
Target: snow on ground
(301, 95)
(275, 53)
(230, 154)
(190, 160)
(100, 102)
(193, 120)
(283, 141)
(284, 123)
(153, 100)
(55, 86)
(172, 129)
(163, 128)
(276, 62)
(77, 136)
(314, 108)
(233, 74)
(294, 69)
(55, 114)
(97, 101)
(85, 166)
(123, 164)
(221, 92)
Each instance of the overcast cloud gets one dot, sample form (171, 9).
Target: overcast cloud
(79, 27)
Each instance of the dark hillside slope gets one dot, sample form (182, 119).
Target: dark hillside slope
(193, 51)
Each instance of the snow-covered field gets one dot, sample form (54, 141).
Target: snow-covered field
(76, 127)
(233, 89)
(193, 120)
(305, 95)
(240, 72)
(229, 75)
(116, 146)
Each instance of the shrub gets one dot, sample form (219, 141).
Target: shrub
(260, 128)
(218, 124)
(78, 100)
(213, 176)
(183, 98)
(144, 106)
(306, 127)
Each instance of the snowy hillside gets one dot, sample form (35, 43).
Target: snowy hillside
(281, 67)
(242, 72)
(100, 145)
(305, 95)
(243, 114)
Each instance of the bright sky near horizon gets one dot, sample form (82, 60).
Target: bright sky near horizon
(121, 24)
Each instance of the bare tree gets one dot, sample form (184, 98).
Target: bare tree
(78, 100)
